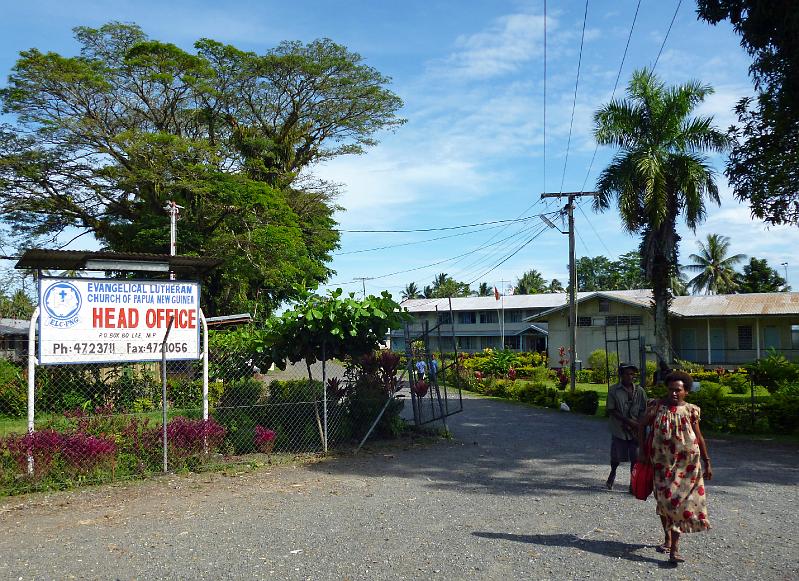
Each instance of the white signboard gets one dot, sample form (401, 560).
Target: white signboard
(85, 320)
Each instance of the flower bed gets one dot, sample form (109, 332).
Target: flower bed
(79, 447)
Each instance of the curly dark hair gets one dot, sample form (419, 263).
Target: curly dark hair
(686, 379)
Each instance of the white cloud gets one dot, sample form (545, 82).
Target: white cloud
(721, 104)
(747, 236)
(509, 42)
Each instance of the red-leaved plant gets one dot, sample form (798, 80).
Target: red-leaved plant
(187, 438)
(42, 446)
(264, 439)
(83, 452)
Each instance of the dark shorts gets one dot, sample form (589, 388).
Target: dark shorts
(623, 450)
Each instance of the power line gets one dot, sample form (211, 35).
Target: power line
(518, 219)
(665, 38)
(511, 255)
(574, 102)
(487, 258)
(432, 263)
(545, 98)
(596, 146)
(615, 86)
(415, 242)
(587, 219)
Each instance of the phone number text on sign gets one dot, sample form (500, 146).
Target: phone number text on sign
(88, 320)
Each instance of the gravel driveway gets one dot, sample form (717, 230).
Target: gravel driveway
(517, 494)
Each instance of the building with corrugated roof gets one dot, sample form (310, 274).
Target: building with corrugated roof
(14, 339)
(713, 330)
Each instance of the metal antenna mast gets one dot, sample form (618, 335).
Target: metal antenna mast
(174, 211)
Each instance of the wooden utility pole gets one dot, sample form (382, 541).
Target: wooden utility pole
(572, 280)
(363, 280)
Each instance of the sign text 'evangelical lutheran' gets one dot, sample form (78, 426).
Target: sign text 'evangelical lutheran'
(99, 320)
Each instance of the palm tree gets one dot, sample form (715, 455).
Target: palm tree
(530, 283)
(555, 286)
(440, 280)
(427, 292)
(659, 172)
(411, 291)
(484, 290)
(716, 269)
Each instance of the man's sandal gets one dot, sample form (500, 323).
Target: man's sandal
(664, 548)
(676, 558)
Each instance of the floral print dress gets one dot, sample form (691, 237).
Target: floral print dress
(679, 487)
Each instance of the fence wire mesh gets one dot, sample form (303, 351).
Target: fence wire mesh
(98, 422)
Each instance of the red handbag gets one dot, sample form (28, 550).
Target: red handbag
(642, 480)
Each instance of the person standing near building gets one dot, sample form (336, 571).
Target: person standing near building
(421, 368)
(626, 407)
(433, 369)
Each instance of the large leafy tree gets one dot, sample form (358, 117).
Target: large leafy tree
(714, 266)
(599, 273)
(595, 273)
(759, 277)
(102, 140)
(658, 173)
(530, 283)
(446, 286)
(484, 290)
(763, 167)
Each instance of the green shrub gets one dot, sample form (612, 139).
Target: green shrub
(535, 374)
(585, 376)
(782, 409)
(688, 366)
(366, 397)
(738, 383)
(703, 376)
(532, 359)
(240, 409)
(499, 362)
(604, 365)
(649, 373)
(537, 393)
(773, 370)
(656, 391)
(13, 391)
(582, 402)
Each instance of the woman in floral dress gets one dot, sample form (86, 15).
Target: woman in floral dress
(678, 449)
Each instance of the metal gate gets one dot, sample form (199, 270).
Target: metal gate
(629, 346)
(434, 383)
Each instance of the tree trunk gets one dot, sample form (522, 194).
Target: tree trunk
(659, 259)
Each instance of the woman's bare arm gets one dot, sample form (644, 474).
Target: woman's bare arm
(708, 472)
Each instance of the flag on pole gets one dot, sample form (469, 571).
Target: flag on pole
(496, 293)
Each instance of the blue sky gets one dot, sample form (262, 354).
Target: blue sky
(475, 148)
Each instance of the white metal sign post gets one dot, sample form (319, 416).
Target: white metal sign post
(111, 321)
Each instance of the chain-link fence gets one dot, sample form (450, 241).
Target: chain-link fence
(99, 422)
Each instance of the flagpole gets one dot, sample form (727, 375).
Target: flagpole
(501, 322)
